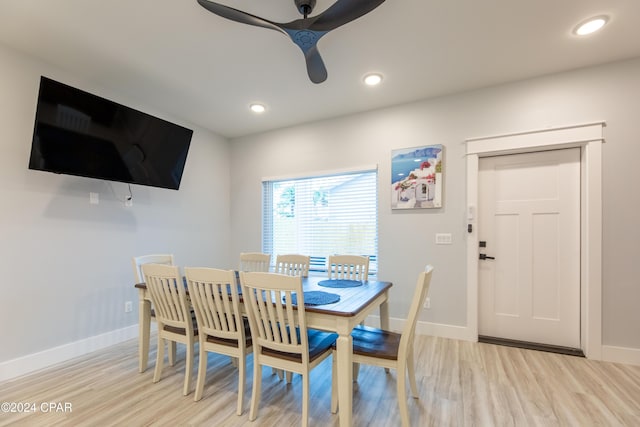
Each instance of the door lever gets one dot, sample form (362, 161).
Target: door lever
(484, 256)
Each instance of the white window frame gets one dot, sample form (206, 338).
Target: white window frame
(318, 265)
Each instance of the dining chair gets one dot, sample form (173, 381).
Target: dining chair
(254, 261)
(377, 347)
(350, 267)
(173, 315)
(257, 261)
(138, 261)
(221, 327)
(138, 277)
(279, 330)
(293, 265)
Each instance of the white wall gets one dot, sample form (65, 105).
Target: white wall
(66, 265)
(406, 238)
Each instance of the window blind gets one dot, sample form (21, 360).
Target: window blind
(321, 216)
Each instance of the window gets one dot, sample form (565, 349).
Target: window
(321, 216)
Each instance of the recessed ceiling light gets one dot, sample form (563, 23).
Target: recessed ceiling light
(372, 79)
(257, 108)
(590, 26)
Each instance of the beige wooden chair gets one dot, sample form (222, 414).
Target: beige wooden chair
(257, 261)
(221, 327)
(254, 261)
(350, 267)
(138, 277)
(279, 330)
(173, 315)
(293, 265)
(387, 349)
(138, 261)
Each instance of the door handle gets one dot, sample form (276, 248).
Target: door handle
(484, 256)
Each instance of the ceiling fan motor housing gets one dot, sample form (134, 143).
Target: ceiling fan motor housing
(305, 7)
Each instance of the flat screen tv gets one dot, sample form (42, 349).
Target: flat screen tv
(77, 133)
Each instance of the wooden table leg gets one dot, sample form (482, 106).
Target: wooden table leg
(344, 346)
(384, 316)
(384, 320)
(144, 326)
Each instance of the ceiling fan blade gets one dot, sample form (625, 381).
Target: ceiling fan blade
(315, 65)
(239, 16)
(342, 12)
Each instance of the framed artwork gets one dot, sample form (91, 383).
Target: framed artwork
(416, 177)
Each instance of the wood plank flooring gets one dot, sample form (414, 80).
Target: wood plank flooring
(460, 384)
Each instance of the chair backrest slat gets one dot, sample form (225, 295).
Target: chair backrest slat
(215, 300)
(419, 295)
(254, 261)
(274, 320)
(349, 267)
(293, 265)
(168, 295)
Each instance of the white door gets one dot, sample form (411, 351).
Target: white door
(529, 217)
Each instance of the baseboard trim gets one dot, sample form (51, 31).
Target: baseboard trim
(33, 362)
(427, 328)
(626, 355)
(610, 353)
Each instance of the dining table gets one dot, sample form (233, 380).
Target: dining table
(356, 301)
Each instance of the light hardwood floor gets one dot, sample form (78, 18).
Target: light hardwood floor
(460, 384)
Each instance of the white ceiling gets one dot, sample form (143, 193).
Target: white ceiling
(180, 58)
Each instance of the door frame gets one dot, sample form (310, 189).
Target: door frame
(589, 138)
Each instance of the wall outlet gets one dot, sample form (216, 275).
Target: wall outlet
(128, 202)
(128, 306)
(427, 303)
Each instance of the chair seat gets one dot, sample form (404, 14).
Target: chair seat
(183, 331)
(375, 342)
(175, 322)
(319, 342)
(180, 331)
(388, 349)
(231, 342)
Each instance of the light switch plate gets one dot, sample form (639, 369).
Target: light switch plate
(443, 238)
(94, 198)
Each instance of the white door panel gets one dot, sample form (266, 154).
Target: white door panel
(529, 217)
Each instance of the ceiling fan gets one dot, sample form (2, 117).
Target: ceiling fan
(303, 32)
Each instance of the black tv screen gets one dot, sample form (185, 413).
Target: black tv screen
(77, 133)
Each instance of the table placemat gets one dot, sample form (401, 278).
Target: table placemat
(339, 283)
(316, 298)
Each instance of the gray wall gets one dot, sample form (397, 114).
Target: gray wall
(65, 264)
(406, 238)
